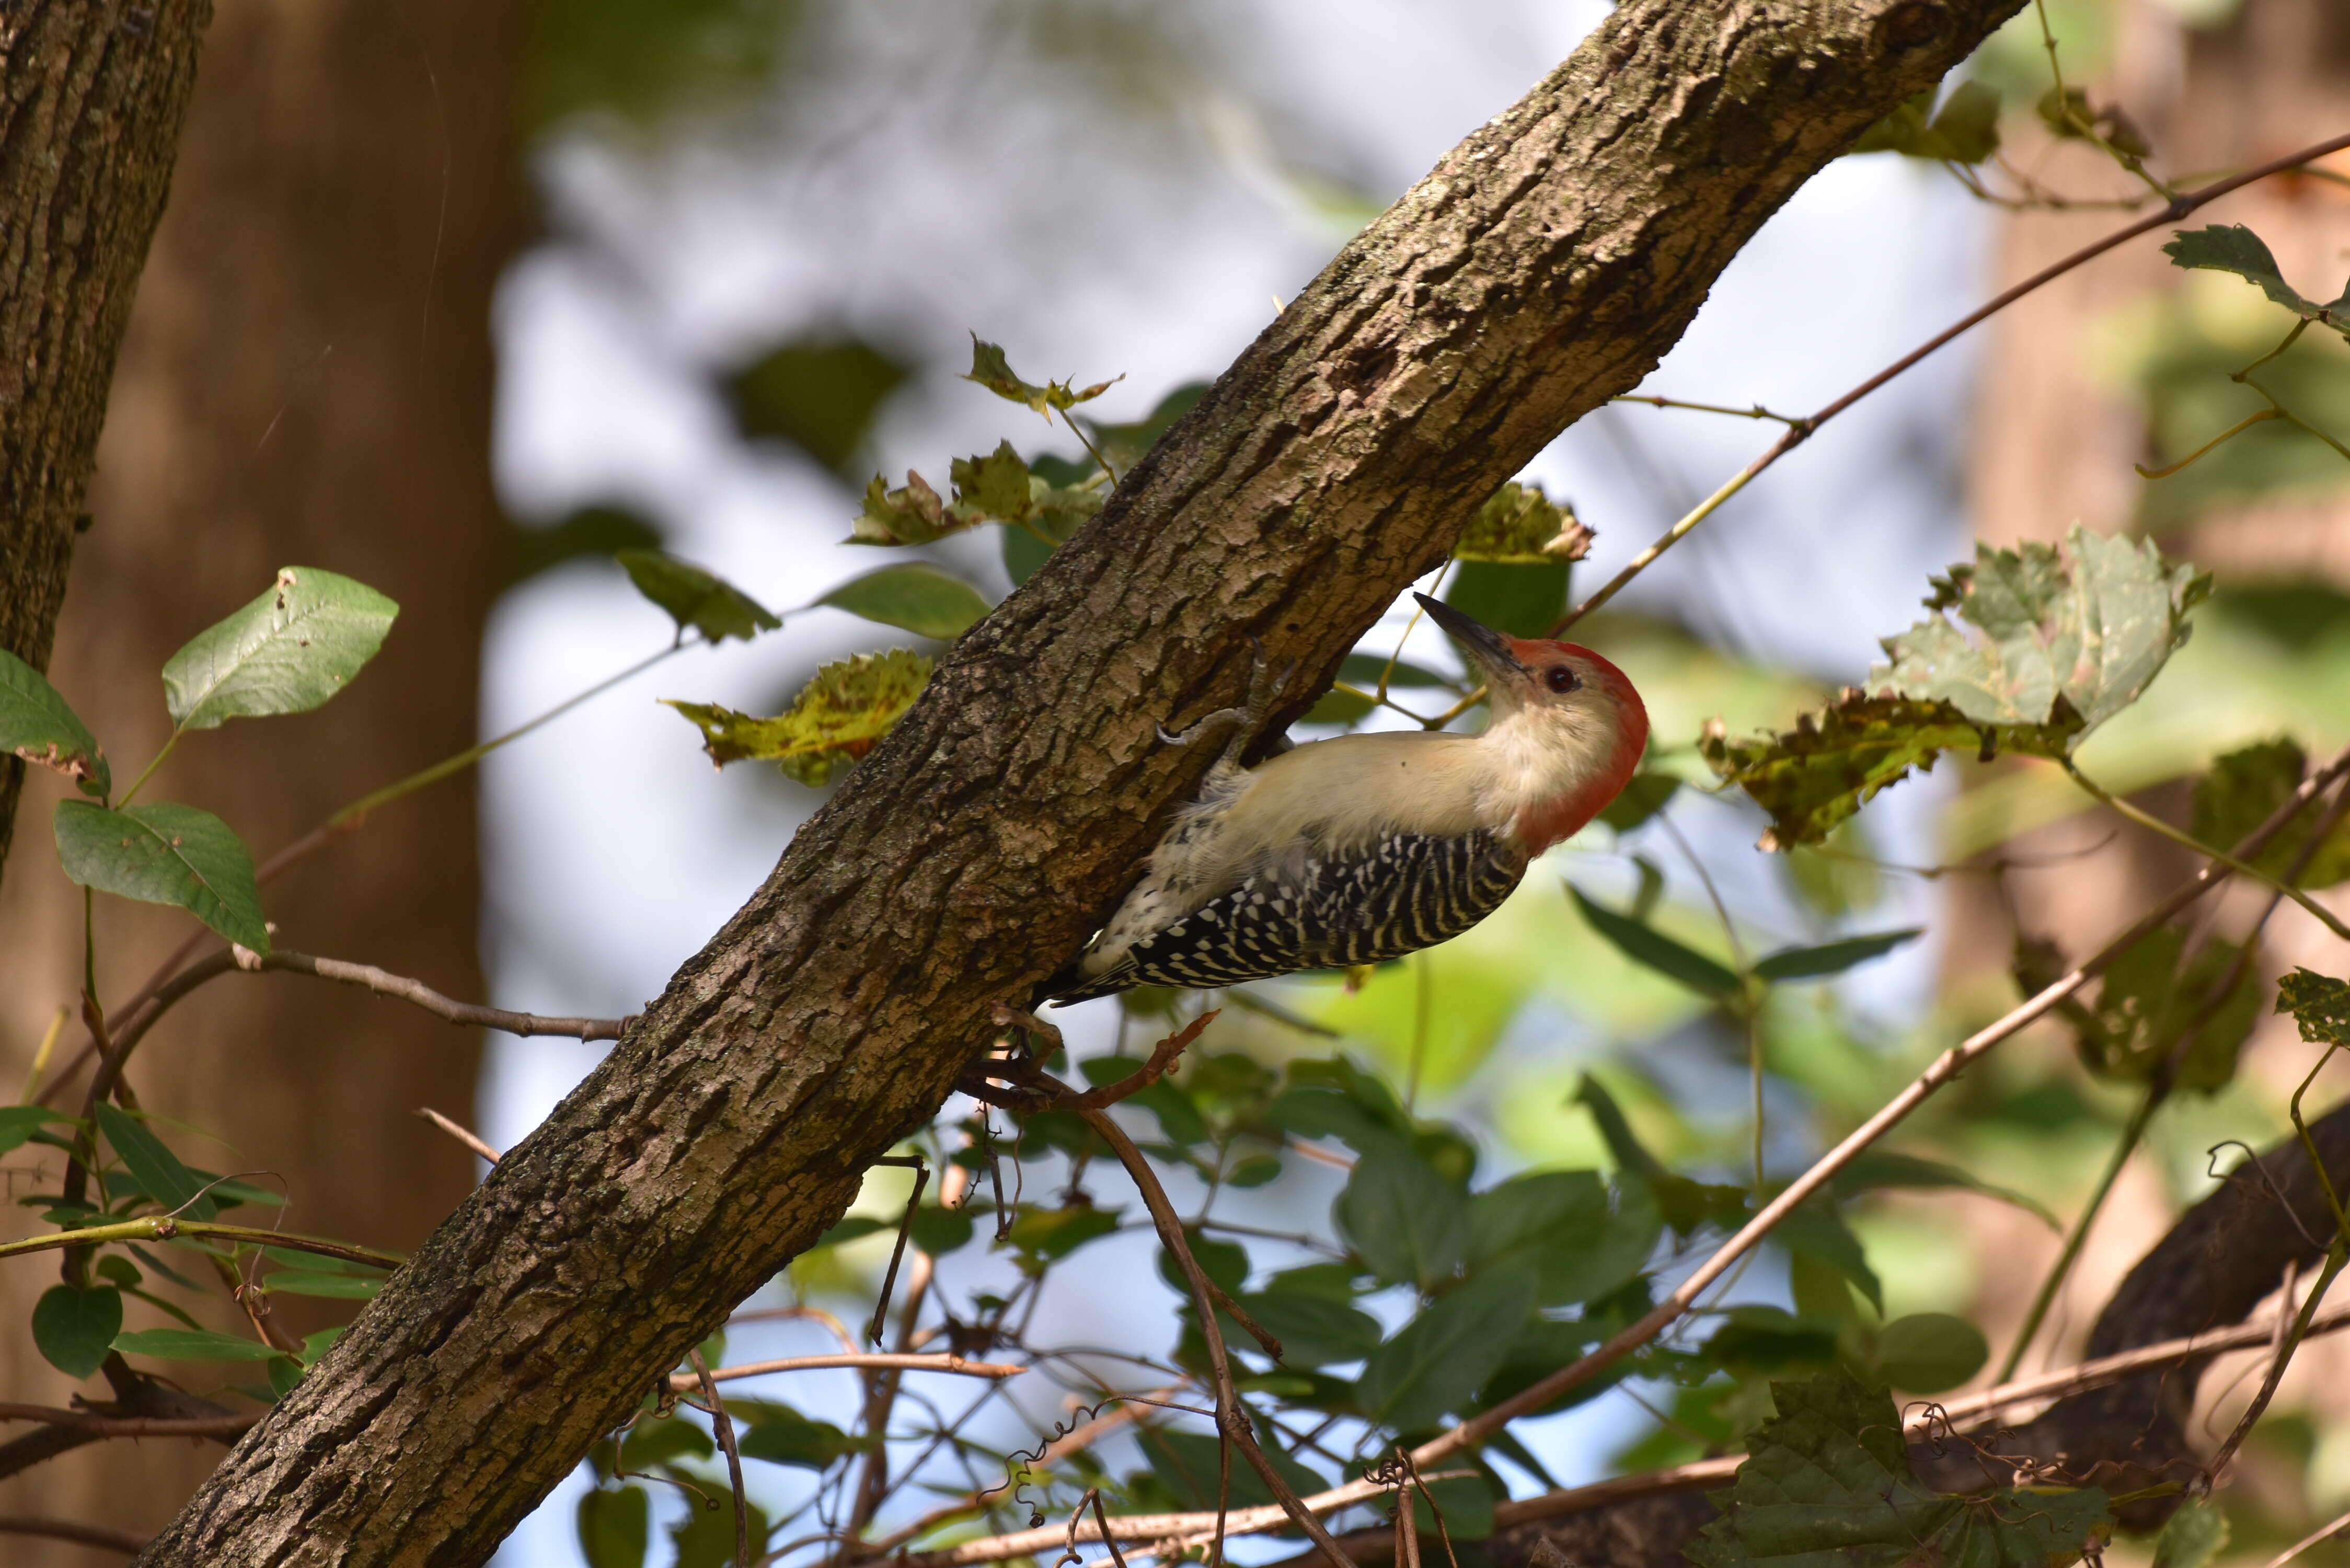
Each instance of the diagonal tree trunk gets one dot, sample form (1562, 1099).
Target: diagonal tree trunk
(1547, 263)
(92, 95)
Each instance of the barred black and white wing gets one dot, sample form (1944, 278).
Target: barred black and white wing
(1393, 895)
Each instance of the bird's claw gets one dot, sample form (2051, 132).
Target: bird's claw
(1263, 694)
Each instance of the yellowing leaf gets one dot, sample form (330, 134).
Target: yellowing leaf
(992, 370)
(836, 718)
(1522, 524)
(1965, 131)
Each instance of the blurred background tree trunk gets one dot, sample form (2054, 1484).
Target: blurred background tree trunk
(307, 380)
(2071, 398)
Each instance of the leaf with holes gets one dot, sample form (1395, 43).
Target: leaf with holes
(74, 1328)
(2233, 248)
(915, 597)
(1827, 1481)
(286, 652)
(693, 597)
(2244, 788)
(2319, 1003)
(834, 719)
(164, 854)
(2151, 997)
(37, 724)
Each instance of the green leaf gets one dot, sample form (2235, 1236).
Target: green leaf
(1404, 1219)
(1315, 1331)
(154, 1166)
(664, 1441)
(1878, 1169)
(821, 395)
(693, 597)
(1639, 800)
(1832, 958)
(939, 1231)
(592, 532)
(615, 1527)
(1755, 1341)
(1966, 130)
(834, 719)
(914, 515)
(1827, 1481)
(1817, 1232)
(914, 597)
(73, 1329)
(2151, 997)
(318, 1282)
(2233, 248)
(704, 1537)
(1646, 945)
(2193, 1537)
(1559, 1224)
(1466, 1503)
(191, 1345)
(1522, 601)
(2319, 1003)
(160, 853)
(1437, 1361)
(285, 652)
(782, 1436)
(2244, 788)
(37, 724)
(1042, 1236)
(1125, 445)
(19, 1123)
(2063, 637)
(1521, 525)
(1190, 1466)
(1928, 1351)
(990, 370)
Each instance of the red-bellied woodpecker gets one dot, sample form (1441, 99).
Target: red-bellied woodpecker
(1366, 847)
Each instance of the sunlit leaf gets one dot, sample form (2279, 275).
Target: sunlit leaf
(160, 853)
(1965, 131)
(2233, 248)
(74, 1328)
(1832, 958)
(286, 652)
(37, 724)
(914, 597)
(1827, 1481)
(191, 1345)
(1928, 1351)
(693, 597)
(1522, 525)
(1646, 945)
(1440, 1359)
(2050, 642)
(834, 721)
(990, 370)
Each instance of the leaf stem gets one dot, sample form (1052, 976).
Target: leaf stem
(2154, 824)
(2239, 428)
(149, 770)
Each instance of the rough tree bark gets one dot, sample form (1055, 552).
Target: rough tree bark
(306, 380)
(1547, 263)
(92, 95)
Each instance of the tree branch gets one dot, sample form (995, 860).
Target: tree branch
(1544, 267)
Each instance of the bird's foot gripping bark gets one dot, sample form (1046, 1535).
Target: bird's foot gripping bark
(1264, 691)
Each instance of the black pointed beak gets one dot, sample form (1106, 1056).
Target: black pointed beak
(1487, 647)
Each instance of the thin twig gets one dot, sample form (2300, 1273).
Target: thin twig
(2321, 1534)
(901, 1361)
(461, 1133)
(1800, 431)
(724, 1425)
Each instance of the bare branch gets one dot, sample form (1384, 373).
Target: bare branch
(461, 1133)
(67, 1529)
(941, 1362)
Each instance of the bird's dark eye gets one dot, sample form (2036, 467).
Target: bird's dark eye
(1562, 679)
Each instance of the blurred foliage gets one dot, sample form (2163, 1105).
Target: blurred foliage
(647, 61)
(590, 532)
(821, 394)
